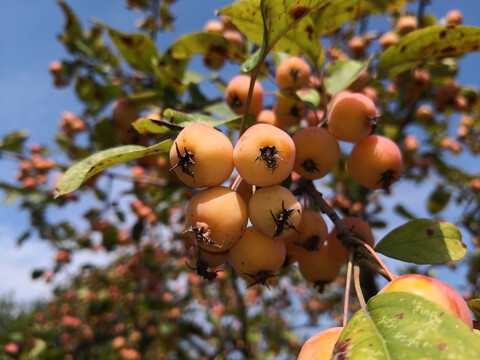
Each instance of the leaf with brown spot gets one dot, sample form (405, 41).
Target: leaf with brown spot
(281, 25)
(420, 333)
(423, 241)
(78, 174)
(424, 44)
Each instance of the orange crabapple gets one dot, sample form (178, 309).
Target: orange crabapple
(237, 92)
(319, 266)
(264, 155)
(274, 211)
(214, 26)
(352, 116)
(202, 156)
(268, 116)
(388, 39)
(312, 231)
(359, 227)
(320, 346)
(216, 217)
(289, 111)
(317, 152)
(357, 46)
(257, 257)
(292, 74)
(375, 162)
(406, 24)
(433, 290)
(454, 18)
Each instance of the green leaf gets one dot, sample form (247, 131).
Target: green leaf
(423, 241)
(39, 347)
(428, 43)
(137, 49)
(399, 325)
(37, 273)
(438, 200)
(282, 25)
(201, 43)
(474, 305)
(342, 73)
(13, 141)
(75, 176)
(149, 126)
(73, 30)
(177, 120)
(401, 210)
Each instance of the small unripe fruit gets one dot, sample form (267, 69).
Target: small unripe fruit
(202, 156)
(352, 117)
(317, 152)
(275, 211)
(293, 73)
(321, 345)
(264, 155)
(375, 162)
(237, 92)
(216, 218)
(433, 290)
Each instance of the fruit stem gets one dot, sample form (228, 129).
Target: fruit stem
(358, 288)
(391, 275)
(347, 288)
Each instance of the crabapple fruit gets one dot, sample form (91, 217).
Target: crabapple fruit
(433, 290)
(312, 231)
(352, 116)
(215, 218)
(375, 162)
(289, 111)
(264, 155)
(319, 266)
(317, 152)
(237, 93)
(274, 211)
(293, 73)
(202, 156)
(320, 346)
(257, 257)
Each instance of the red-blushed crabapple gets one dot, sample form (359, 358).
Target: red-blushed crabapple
(202, 156)
(292, 74)
(318, 266)
(433, 290)
(311, 233)
(375, 162)
(216, 218)
(256, 257)
(264, 155)
(352, 116)
(237, 93)
(289, 111)
(359, 227)
(320, 346)
(274, 211)
(317, 152)
(214, 26)
(406, 24)
(454, 18)
(388, 39)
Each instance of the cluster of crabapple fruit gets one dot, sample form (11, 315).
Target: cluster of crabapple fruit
(265, 155)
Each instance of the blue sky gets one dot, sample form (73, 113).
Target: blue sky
(28, 100)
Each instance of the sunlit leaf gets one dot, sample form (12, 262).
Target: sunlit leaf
(137, 49)
(73, 30)
(428, 43)
(423, 241)
(201, 43)
(282, 25)
(399, 325)
(75, 176)
(177, 120)
(342, 73)
(149, 126)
